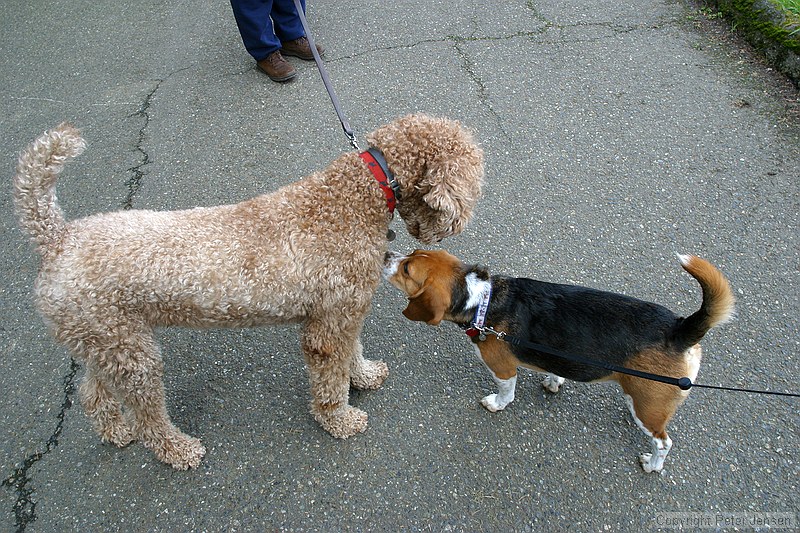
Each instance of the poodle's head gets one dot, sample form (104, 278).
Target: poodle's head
(439, 168)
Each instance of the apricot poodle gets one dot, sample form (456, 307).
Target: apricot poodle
(310, 252)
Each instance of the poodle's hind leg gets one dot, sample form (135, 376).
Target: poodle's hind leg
(364, 373)
(328, 351)
(104, 410)
(133, 370)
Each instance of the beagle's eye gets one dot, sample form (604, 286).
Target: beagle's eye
(405, 268)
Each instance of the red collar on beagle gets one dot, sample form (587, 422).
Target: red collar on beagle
(602, 325)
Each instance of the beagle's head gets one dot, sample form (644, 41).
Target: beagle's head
(428, 278)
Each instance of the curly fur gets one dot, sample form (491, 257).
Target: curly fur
(310, 252)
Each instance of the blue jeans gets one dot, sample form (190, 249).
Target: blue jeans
(263, 24)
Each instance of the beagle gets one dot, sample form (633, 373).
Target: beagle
(570, 319)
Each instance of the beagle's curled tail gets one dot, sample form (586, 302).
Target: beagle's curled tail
(717, 307)
(34, 183)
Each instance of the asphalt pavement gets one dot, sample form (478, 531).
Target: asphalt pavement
(616, 134)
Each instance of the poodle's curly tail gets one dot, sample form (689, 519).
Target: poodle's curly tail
(34, 183)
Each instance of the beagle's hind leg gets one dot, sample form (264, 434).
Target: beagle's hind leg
(652, 405)
(552, 382)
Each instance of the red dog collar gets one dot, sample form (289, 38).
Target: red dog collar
(377, 165)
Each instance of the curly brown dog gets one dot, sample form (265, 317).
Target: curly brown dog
(310, 252)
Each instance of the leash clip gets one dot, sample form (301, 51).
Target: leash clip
(481, 331)
(352, 138)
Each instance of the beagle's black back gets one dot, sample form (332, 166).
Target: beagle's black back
(580, 321)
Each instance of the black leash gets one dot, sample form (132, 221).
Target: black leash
(683, 383)
(323, 72)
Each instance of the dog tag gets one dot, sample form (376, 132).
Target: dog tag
(390, 235)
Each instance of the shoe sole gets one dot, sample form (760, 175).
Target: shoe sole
(276, 78)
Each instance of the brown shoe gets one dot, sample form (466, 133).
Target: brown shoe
(300, 48)
(276, 67)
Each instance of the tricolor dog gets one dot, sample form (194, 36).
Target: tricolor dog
(570, 319)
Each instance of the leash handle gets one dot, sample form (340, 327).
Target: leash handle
(323, 72)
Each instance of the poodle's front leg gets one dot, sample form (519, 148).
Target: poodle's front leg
(328, 351)
(364, 373)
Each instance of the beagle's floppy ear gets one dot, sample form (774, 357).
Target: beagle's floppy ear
(428, 305)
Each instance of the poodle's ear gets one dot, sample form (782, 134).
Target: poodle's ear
(454, 189)
(428, 305)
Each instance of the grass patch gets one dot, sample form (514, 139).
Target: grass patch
(779, 25)
(791, 9)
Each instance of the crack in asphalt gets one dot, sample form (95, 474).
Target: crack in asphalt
(483, 92)
(20, 480)
(135, 182)
(468, 65)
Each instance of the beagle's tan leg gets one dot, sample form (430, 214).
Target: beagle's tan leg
(503, 367)
(660, 441)
(652, 405)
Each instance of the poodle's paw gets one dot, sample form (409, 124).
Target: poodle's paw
(370, 375)
(120, 435)
(344, 422)
(180, 451)
(112, 427)
(552, 382)
(491, 404)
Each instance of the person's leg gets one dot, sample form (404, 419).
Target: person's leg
(255, 27)
(287, 23)
(258, 36)
(290, 30)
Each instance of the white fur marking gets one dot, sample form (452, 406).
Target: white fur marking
(552, 382)
(504, 396)
(629, 401)
(685, 259)
(654, 462)
(692, 358)
(390, 267)
(476, 289)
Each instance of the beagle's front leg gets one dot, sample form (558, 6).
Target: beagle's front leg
(502, 366)
(504, 396)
